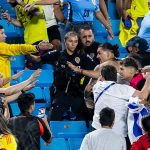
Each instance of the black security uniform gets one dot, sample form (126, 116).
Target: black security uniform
(92, 51)
(69, 85)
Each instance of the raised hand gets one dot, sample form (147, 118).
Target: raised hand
(35, 75)
(30, 86)
(110, 33)
(73, 67)
(28, 7)
(6, 15)
(17, 75)
(44, 45)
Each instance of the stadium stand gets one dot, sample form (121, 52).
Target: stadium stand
(56, 144)
(68, 129)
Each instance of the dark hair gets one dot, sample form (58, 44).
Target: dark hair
(112, 48)
(70, 33)
(138, 42)
(1, 27)
(146, 125)
(129, 62)
(109, 73)
(137, 57)
(3, 125)
(25, 100)
(106, 116)
(85, 27)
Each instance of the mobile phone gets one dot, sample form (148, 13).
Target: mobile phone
(41, 112)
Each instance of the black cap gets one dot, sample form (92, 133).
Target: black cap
(138, 42)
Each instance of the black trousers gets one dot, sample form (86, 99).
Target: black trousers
(63, 101)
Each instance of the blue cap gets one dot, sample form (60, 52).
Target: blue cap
(138, 42)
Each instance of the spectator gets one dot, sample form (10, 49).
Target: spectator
(104, 138)
(7, 50)
(89, 45)
(139, 46)
(35, 21)
(107, 93)
(144, 141)
(7, 139)
(82, 13)
(133, 17)
(29, 128)
(129, 71)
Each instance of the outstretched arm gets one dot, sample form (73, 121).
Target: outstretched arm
(14, 77)
(90, 73)
(18, 87)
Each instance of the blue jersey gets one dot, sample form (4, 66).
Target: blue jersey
(82, 10)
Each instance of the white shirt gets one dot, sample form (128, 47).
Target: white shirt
(103, 139)
(116, 97)
(49, 15)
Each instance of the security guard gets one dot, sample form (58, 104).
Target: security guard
(69, 85)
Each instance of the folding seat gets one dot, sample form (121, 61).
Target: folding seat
(17, 62)
(74, 143)
(56, 144)
(99, 29)
(10, 29)
(47, 67)
(115, 26)
(68, 129)
(112, 11)
(14, 108)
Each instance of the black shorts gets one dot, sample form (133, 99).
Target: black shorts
(53, 33)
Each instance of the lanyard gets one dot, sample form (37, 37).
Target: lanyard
(103, 91)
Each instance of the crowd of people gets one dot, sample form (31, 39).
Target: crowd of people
(91, 82)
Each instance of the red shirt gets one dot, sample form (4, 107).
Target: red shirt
(141, 144)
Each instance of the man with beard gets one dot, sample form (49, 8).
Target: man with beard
(89, 45)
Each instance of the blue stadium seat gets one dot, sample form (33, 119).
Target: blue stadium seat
(99, 29)
(10, 29)
(3, 1)
(112, 11)
(68, 129)
(45, 78)
(115, 26)
(115, 41)
(47, 67)
(100, 39)
(74, 143)
(56, 144)
(17, 62)
(14, 108)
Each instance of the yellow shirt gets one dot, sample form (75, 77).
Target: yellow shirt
(139, 8)
(35, 27)
(7, 50)
(8, 142)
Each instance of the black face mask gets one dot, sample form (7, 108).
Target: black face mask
(14, 4)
